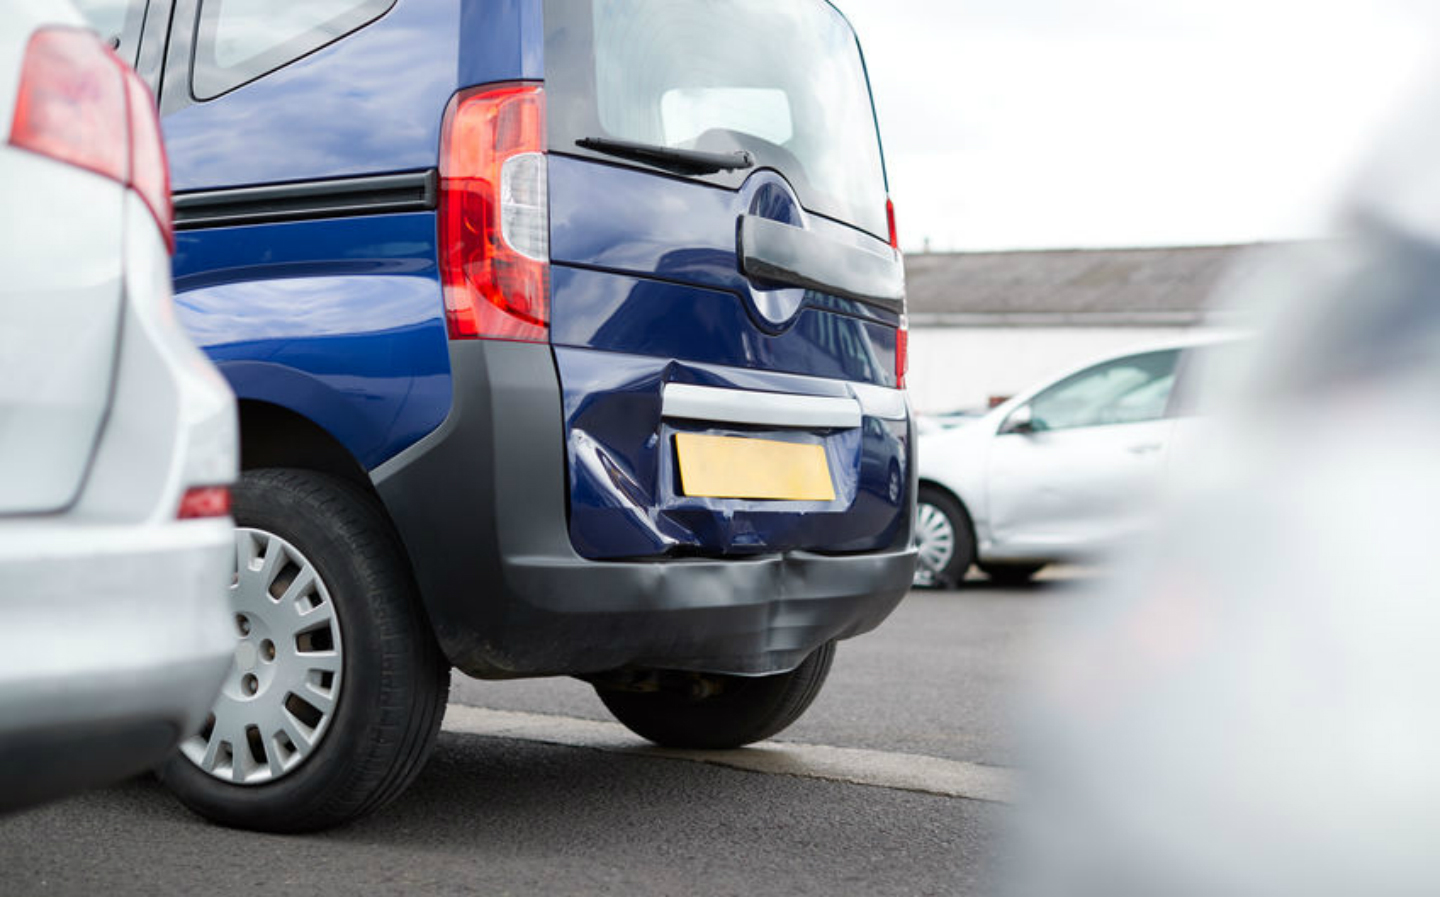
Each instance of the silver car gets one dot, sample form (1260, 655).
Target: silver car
(1060, 472)
(118, 438)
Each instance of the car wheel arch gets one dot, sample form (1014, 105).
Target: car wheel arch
(275, 436)
(926, 483)
(974, 507)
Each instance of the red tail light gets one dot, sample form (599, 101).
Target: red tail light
(890, 218)
(149, 169)
(79, 104)
(205, 501)
(902, 354)
(71, 104)
(494, 214)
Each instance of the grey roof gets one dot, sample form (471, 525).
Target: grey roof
(1071, 286)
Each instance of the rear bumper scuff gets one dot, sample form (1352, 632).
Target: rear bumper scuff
(481, 507)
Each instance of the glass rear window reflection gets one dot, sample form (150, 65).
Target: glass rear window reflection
(846, 348)
(782, 81)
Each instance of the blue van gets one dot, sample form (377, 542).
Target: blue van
(569, 339)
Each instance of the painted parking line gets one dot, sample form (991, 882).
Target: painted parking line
(904, 772)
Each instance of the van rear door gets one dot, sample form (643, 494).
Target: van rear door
(727, 302)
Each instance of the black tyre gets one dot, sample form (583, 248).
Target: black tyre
(716, 712)
(1011, 574)
(339, 686)
(945, 539)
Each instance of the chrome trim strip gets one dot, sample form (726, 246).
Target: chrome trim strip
(880, 401)
(770, 409)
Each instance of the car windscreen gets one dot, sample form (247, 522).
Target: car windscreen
(784, 82)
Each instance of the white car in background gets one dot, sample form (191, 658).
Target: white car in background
(938, 423)
(1060, 472)
(118, 439)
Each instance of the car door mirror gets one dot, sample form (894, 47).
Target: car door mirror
(1021, 420)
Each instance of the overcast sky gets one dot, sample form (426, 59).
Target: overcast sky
(1062, 123)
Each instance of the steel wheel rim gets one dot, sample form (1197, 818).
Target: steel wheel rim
(934, 543)
(283, 688)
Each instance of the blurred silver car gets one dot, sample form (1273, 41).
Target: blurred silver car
(118, 439)
(1062, 471)
(1246, 707)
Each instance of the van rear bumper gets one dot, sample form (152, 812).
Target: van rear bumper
(480, 505)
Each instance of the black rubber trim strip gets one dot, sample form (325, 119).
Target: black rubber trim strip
(414, 191)
(781, 253)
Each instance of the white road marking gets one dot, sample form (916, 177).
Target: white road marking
(904, 772)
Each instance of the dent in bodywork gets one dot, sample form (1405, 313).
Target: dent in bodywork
(617, 490)
(625, 497)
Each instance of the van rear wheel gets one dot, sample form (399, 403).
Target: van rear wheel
(338, 686)
(687, 710)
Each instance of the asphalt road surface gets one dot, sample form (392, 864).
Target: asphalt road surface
(893, 783)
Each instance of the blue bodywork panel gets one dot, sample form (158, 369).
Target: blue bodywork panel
(620, 313)
(647, 289)
(341, 320)
(618, 219)
(367, 104)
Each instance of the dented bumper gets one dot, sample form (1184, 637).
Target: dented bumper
(481, 507)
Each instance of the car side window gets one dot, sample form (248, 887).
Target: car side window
(117, 22)
(1123, 391)
(1206, 372)
(237, 41)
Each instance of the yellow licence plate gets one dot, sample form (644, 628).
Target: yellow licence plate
(735, 467)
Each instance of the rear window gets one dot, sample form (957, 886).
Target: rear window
(784, 81)
(240, 40)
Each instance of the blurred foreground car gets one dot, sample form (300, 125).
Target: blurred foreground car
(1247, 708)
(117, 437)
(1059, 472)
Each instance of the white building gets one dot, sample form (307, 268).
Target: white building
(986, 325)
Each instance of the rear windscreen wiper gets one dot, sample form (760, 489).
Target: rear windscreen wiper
(684, 161)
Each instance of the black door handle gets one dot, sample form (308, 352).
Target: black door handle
(781, 253)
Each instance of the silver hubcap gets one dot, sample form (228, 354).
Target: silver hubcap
(282, 690)
(935, 540)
